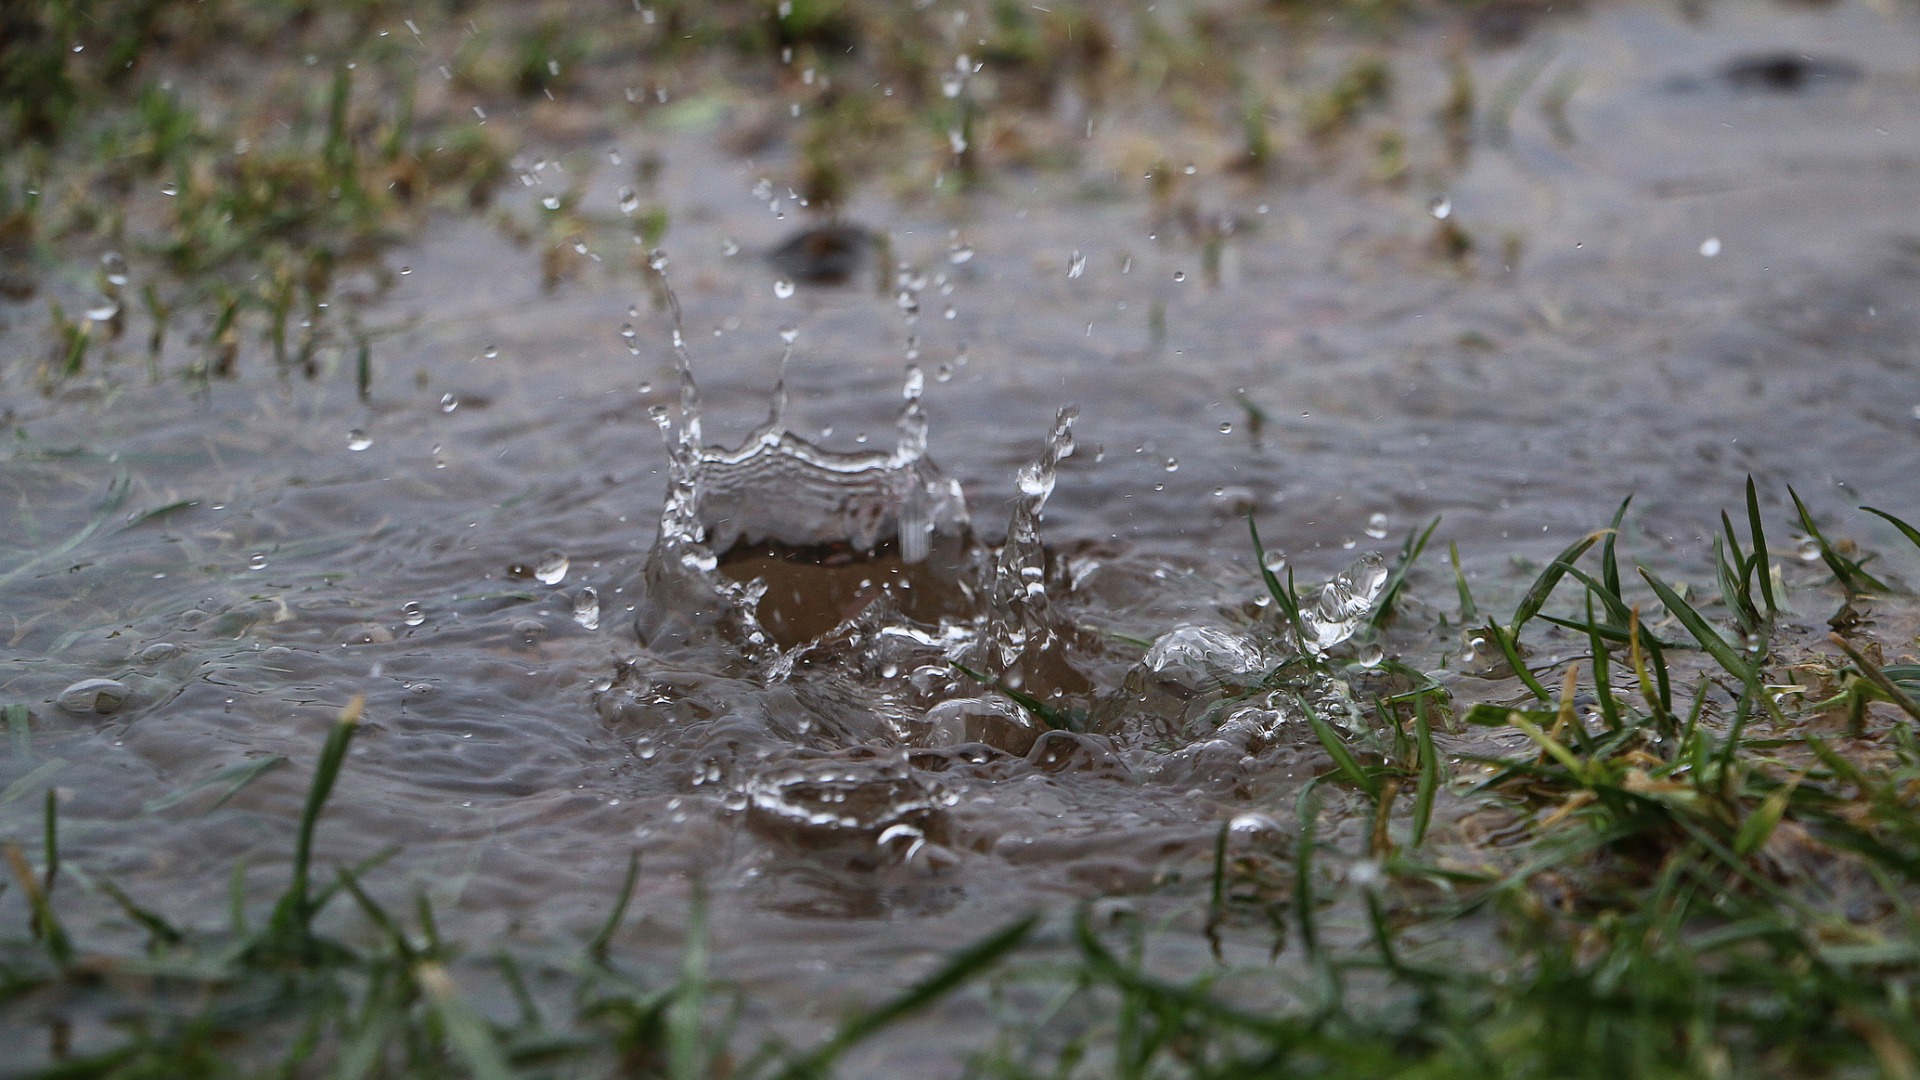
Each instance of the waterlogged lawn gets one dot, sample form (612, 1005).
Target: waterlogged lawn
(343, 737)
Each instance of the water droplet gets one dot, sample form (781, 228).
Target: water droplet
(1173, 465)
(449, 402)
(1377, 526)
(114, 266)
(950, 314)
(1226, 427)
(789, 334)
(552, 567)
(586, 608)
(1179, 275)
(1710, 246)
(94, 696)
(1275, 561)
(729, 247)
(1441, 208)
(490, 352)
(1808, 549)
(1076, 265)
(258, 561)
(1370, 655)
(551, 202)
(783, 288)
(159, 652)
(629, 200)
(959, 253)
(358, 440)
(405, 270)
(631, 337)
(411, 614)
(169, 189)
(103, 309)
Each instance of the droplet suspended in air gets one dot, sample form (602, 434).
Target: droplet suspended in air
(586, 608)
(449, 402)
(412, 614)
(114, 266)
(1377, 526)
(358, 440)
(1179, 275)
(1440, 207)
(1076, 265)
(631, 336)
(1710, 246)
(552, 567)
(783, 289)
(629, 200)
(104, 309)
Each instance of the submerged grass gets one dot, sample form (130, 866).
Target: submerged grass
(1727, 890)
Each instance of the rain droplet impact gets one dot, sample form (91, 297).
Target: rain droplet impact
(586, 608)
(1344, 601)
(783, 288)
(358, 440)
(552, 567)
(1440, 207)
(411, 614)
(1377, 526)
(94, 696)
(1076, 265)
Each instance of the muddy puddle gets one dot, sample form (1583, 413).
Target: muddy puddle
(1695, 261)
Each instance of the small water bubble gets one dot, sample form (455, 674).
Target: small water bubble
(1710, 246)
(783, 288)
(1377, 526)
(629, 200)
(1190, 168)
(449, 402)
(258, 561)
(159, 652)
(530, 629)
(586, 608)
(1179, 275)
(551, 569)
(412, 614)
(93, 696)
(358, 440)
(1076, 265)
(1440, 207)
(114, 266)
(1370, 655)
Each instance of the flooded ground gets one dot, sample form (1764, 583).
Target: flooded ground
(1677, 252)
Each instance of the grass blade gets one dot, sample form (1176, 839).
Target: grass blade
(1855, 580)
(1397, 576)
(597, 948)
(1762, 561)
(1429, 783)
(1609, 562)
(239, 775)
(1544, 585)
(1906, 530)
(1708, 638)
(1282, 594)
(1343, 759)
(295, 909)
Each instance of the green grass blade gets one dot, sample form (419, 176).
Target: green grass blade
(473, 1041)
(1282, 594)
(1410, 552)
(1343, 759)
(1852, 578)
(961, 968)
(1511, 651)
(239, 776)
(597, 948)
(687, 1046)
(1762, 559)
(1874, 674)
(1906, 530)
(295, 908)
(1708, 638)
(1428, 785)
(1543, 586)
(1469, 611)
(1609, 561)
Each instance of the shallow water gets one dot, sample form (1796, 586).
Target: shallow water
(1708, 281)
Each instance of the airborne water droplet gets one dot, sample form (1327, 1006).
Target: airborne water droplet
(1377, 526)
(586, 608)
(449, 402)
(358, 440)
(1441, 208)
(1076, 265)
(551, 202)
(103, 309)
(114, 265)
(552, 567)
(1710, 246)
(411, 614)
(783, 288)
(258, 561)
(1179, 275)
(629, 200)
(631, 337)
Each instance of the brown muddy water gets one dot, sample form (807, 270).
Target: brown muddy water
(1704, 265)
